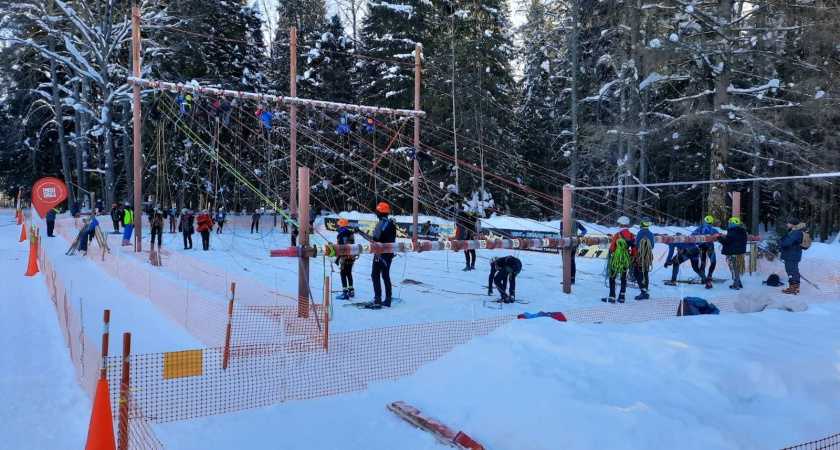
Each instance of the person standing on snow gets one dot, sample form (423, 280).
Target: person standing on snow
(205, 227)
(255, 221)
(187, 228)
(503, 271)
(51, 221)
(172, 219)
(685, 252)
(156, 222)
(345, 262)
(466, 224)
(734, 244)
(791, 253)
(220, 219)
(707, 249)
(385, 232)
(644, 258)
(116, 217)
(621, 257)
(128, 224)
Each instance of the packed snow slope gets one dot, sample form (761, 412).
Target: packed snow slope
(762, 381)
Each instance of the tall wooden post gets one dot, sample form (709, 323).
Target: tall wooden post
(567, 233)
(103, 365)
(138, 147)
(416, 141)
(293, 184)
(736, 206)
(303, 240)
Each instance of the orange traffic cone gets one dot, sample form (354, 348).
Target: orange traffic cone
(33, 258)
(22, 233)
(101, 431)
(20, 217)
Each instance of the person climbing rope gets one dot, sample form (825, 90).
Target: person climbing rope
(621, 256)
(577, 230)
(734, 244)
(644, 258)
(128, 224)
(707, 249)
(205, 227)
(156, 223)
(503, 271)
(345, 262)
(343, 131)
(266, 117)
(685, 252)
(385, 232)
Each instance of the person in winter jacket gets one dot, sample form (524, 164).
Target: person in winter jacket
(343, 131)
(295, 228)
(385, 232)
(128, 224)
(156, 222)
(173, 218)
(466, 224)
(503, 271)
(620, 259)
(707, 249)
(51, 221)
(577, 230)
(205, 227)
(87, 235)
(734, 244)
(685, 252)
(791, 253)
(220, 219)
(116, 217)
(187, 228)
(641, 268)
(345, 263)
(255, 221)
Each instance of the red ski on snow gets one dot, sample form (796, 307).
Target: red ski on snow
(440, 431)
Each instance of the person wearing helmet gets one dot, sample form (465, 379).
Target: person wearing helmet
(734, 244)
(465, 230)
(156, 223)
(187, 227)
(345, 262)
(385, 232)
(707, 249)
(116, 217)
(502, 271)
(173, 219)
(622, 254)
(221, 215)
(644, 258)
(205, 227)
(255, 221)
(578, 230)
(685, 252)
(128, 224)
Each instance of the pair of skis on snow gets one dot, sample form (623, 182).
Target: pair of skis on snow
(441, 432)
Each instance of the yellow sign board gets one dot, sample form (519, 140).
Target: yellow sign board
(187, 363)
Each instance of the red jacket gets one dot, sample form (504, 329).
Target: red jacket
(205, 222)
(627, 236)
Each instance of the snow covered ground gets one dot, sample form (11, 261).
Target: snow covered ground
(732, 381)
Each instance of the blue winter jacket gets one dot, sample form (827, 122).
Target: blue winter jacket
(645, 233)
(790, 244)
(688, 250)
(704, 230)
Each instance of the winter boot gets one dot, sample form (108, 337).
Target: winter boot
(709, 285)
(793, 288)
(621, 298)
(608, 299)
(643, 296)
(351, 291)
(345, 295)
(735, 287)
(472, 266)
(387, 302)
(670, 283)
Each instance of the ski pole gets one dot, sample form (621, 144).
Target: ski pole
(809, 281)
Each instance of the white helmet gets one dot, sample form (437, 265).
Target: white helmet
(624, 221)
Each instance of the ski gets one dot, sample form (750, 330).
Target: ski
(441, 432)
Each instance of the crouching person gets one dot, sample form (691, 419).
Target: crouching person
(503, 271)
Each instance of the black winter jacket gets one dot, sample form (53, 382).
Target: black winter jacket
(735, 241)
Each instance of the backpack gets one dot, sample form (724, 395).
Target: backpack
(695, 306)
(773, 281)
(806, 240)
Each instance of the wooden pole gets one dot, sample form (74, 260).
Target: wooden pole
(122, 427)
(138, 172)
(293, 130)
(736, 206)
(416, 142)
(226, 356)
(103, 365)
(567, 233)
(303, 240)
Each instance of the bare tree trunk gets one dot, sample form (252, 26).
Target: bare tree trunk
(574, 47)
(720, 129)
(59, 123)
(127, 149)
(80, 133)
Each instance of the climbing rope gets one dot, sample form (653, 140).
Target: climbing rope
(620, 260)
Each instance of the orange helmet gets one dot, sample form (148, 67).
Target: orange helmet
(383, 208)
(343, 222)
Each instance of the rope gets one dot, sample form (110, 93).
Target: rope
(620, 260)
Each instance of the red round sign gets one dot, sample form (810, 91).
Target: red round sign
(47, 193)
